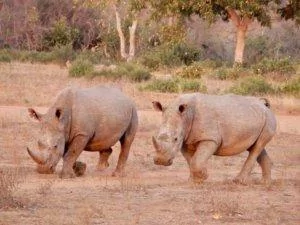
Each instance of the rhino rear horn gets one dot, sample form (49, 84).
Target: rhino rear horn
(37, 157)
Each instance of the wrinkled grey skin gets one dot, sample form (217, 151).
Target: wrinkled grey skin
(91, 119)
(202, 125)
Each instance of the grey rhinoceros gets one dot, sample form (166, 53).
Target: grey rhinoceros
(91, 119)
(203, 125)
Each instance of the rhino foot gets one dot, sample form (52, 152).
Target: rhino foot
(79, 168)
(118, 173)
(241, 180)
(102, 166)
(67, 174)
(199, 176)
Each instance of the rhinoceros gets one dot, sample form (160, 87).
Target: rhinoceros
(203, 125)
(91, 119)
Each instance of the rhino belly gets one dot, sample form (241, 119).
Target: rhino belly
(102, 143)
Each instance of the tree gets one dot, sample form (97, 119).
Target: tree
(241, 13)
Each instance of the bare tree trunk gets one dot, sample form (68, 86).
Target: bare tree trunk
(242, 27)
(240, 44)
(121, 34)
(132, 30)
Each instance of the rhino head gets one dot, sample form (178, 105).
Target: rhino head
(172, 132)
(51, 140)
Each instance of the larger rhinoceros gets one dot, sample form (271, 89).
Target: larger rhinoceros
(91, 119)
(204, 125)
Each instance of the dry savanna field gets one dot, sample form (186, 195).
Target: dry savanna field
(149, 194)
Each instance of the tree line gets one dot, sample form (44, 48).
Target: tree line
(119, 27)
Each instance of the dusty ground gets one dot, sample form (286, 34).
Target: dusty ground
(149, 194)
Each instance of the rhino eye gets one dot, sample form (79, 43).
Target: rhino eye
(175, 139)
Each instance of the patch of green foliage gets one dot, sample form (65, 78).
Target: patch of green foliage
(81, 67)
(277, 67)
(174, 54)
(175, 85)
(231, 73)
(60, 35)
(131, 71)
(193, 71)
(5, 56)
(252, 86)
(291, 87)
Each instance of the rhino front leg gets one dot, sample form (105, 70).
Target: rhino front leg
(74, 150)
(187, 154)
(198, 169)
(103, 159)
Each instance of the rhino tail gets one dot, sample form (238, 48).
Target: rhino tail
(266, 102)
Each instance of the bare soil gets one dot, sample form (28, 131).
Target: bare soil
(149, 194)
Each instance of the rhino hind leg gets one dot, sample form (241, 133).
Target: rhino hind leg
(265, 163)
(103, 159)
(126, 141)
(256, 152)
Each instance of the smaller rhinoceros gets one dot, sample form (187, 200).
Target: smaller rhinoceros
(204, 125)
(92, 119)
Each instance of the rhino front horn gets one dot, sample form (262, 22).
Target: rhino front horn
(36, 157)
(155, 143)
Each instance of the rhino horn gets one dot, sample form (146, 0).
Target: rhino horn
(155, 143)
(36, 157)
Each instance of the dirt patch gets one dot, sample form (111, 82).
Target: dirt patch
(149, 194)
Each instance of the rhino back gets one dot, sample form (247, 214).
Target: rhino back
(103, 114)
(233, 122)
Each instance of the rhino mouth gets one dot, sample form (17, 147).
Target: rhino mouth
(160, 161)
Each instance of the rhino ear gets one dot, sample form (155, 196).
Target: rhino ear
(33, 114)
(182, 108)
(157, 106)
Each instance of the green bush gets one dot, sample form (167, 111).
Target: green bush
(164, 86)
(192, 86)
(252, 86)
(193, 71)
(131, 71)
(230, 73)
(61, 34)
(279, 67)
(175, 86)
(5, 56)
(81, 67)
(170, 54)
(291, 87)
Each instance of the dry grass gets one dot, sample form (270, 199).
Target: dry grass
(10, 179)
(149, 194)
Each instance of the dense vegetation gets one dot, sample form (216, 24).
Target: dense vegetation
(82, 34)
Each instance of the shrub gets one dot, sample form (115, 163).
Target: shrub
(192, 86)
(291, 87)
(131, 71)
(193, 71)
(61, 34)
(170, 54)
(5, 56)
(252, 86)
(276, 67)
(232, 73)
(81, 67)
(165, 86)
(175, 85)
